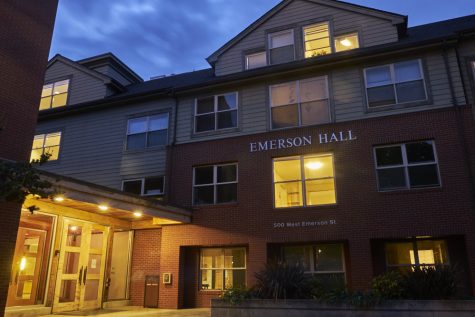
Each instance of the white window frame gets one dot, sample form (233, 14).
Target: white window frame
(255, 54)
(142, 188)
(299, 101)
(330, 38)
(215, 112)
(269, 44)
(394, 83)
(43, 147)
(405, 164)
(147, 131)
(215, 183)
(303, 180)
(222, 268)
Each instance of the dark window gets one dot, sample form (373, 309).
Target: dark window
(151, 186)
(215, 184)
(216, 113)
(281, 47)
(404, 166)
(147, 131)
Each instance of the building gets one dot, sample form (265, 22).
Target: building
(325, 133)
(26, 27)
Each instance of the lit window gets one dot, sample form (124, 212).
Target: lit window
(317, 40)
(256, 60)
(215, 184)
(324, 261)
(299, 103)
(395, 84)
(150, 186)
(216, 112)
(405, 256)
(46, 144)
(304, 181)
(222, 269)
(346, 42)
(54, 95)
(407, 166)
(147, 132)
(281, 47)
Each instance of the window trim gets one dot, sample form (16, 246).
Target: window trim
(142, 187)
(215, 112)
(299, 102)
(60, 132)
(394, 83)
(53, 82)
(303, 180)
(330, 38)
(214, 184)
(405, 164)
(223, 249)
(358, 37)
(269, 36)
(147, 116)
(246, 60)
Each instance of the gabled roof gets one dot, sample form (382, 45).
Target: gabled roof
(394, 17)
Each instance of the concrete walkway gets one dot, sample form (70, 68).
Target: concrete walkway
(132, 311)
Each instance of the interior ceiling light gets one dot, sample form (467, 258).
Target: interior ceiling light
(346, 42)
(58, 199)
(314, 165)
(138, 214)
(103, 207)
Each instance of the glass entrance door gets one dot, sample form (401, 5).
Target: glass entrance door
(26, 268)
(81, 266)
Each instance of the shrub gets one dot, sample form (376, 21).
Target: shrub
(431, 283)
(319, 286)
(389, 285)
(236, 295)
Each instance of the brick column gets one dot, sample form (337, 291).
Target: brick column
(361, 268)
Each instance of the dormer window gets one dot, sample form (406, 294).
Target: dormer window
(317, 40)
(54, 95)
(346, 42)
(256, 60)
(281, 47)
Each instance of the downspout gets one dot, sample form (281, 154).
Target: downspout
(171, 147)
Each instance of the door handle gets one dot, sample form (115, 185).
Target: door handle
(80, 275)
(84, 277)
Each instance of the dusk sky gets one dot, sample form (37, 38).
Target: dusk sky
(156, 37)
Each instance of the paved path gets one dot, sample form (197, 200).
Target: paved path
(139, 312)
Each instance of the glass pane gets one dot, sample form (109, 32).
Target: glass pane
(205, 105)
(424, 176)
(27, 266)
(432, 252)
(47, 90)
(159, 122)
(235, 278)
(211, 279)
(282, 54)
(226, 173)
(420, 152)
(45, 103)
(226, 193)
(318, 46)
(316, 112)
(227, 102)
(381, 96)
(318, 167)
(53, 139)
(68, 291)
(234, 258)
(59, 100)
(204, 195)
(212, 258)
(400, 253)
(157, 138)
(204, 175)
(133, 187)
(53, 151)
(36, 154)
(285, 116)
(407, 71)
(285, 94)
(136, 141)
(74, 235)
(329, 257)
(61, 87)
(389, 156)
(227, 119)
(94, 264)
(288, 195)
(301, 255)
(320, 192)
(97, 237)
(316, 31)
(313, 89)
(154, 186)
(38, 141)
(31, 245)
(205, 122)
(24, 289)
(392, 178)
(92, 290)
(378, 76)
(287, 170)
(411, 91)
(346, 42)
(138, 125)
(71, 263)
(317, 52)
(256, 60)
(281, 39)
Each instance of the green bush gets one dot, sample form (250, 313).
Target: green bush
(319, 286)
(431, 283)
(389, 285)
(236, 295)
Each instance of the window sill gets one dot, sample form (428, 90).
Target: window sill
(411, 190)
(398, 106)
(301, 126)
(148, 149)
(210, 291)
(196, 135)
(215, 206)
(306, 208)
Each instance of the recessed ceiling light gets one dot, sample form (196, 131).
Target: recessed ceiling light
(346, 42)
(58, 199)
(314, 165)
(103, 207)
(138, 214)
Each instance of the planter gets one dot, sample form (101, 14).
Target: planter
(311, 308)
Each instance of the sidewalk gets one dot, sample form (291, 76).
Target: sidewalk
(133, 311)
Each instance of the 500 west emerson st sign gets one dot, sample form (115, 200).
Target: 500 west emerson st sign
(285, 143)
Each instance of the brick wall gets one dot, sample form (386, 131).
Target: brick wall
(145, 261)
(25, 35)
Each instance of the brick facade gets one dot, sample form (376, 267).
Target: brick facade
(25, 36)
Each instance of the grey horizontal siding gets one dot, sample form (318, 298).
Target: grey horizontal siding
(373, 31)
(110, 71)
(92, 145)
(83, 87)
